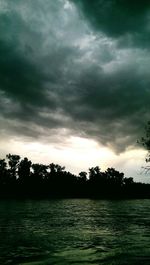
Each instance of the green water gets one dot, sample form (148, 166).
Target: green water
(63, 232)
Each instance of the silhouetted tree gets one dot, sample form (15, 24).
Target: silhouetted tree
(3, 172)
(128, 181)
(94, 173)
(114, 176)
(55, 168)
(145, 141)
(24, 170)
(83, 176)
(56, 172)
(22, 178)
(39, 172)
(13, 162)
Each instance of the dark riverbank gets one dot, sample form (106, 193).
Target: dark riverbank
(78, 190)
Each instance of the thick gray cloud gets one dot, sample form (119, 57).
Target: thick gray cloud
(124, 19)
(60, 75)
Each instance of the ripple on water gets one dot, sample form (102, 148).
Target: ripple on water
(78, 232)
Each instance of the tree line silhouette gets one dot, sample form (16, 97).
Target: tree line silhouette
(20, 178)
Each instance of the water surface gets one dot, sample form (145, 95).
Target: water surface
(74, 231)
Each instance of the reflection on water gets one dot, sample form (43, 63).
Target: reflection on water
(75, 232)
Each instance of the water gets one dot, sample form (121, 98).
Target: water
(78, 232)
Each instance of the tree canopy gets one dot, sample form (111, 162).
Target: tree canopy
(22, 178)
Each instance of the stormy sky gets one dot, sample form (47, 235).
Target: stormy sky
(75, 81)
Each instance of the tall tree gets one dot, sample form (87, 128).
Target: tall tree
(13, 162)
(24, 170)
(114, 176)
(145, 141)
(3, 172)
(39, 172)
(83, 176)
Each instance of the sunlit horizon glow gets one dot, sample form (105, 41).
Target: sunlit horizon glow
(79, 154)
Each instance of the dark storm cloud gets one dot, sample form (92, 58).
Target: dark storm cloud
(112, 107)
(59, 76)
(29, 76)
(119, 18)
